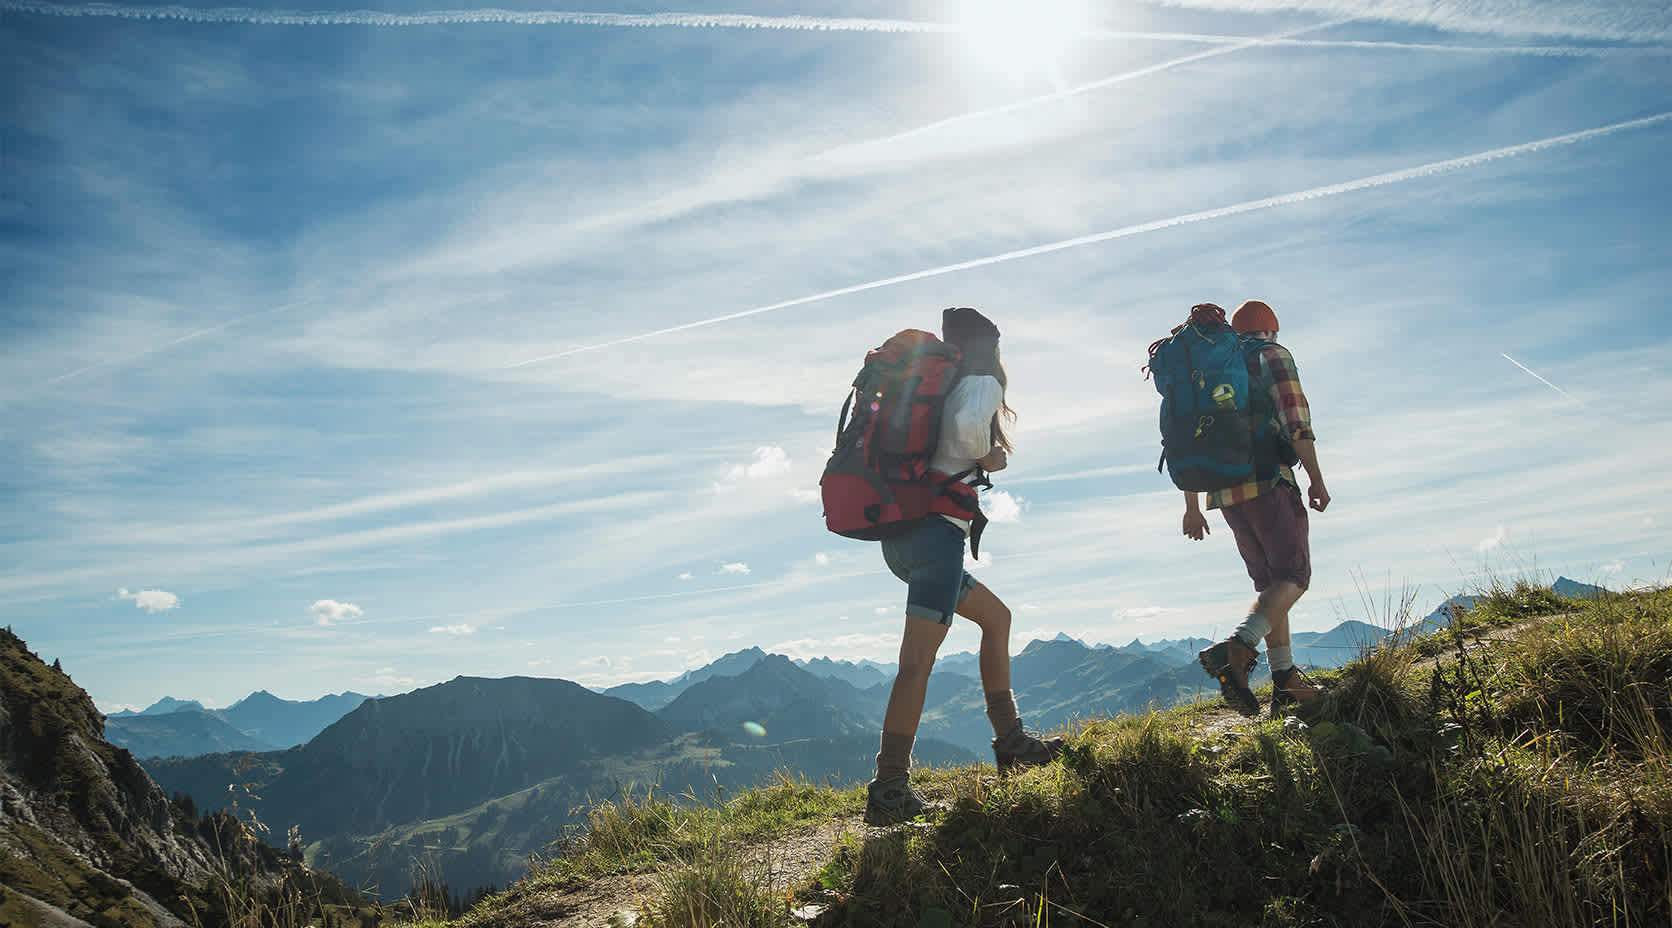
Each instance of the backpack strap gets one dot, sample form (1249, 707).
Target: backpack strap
(842, 417)
(1272, 451)
(966, 500)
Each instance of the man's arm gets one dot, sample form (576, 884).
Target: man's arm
(1307, 450)
(1195, 523)
(1294, 414)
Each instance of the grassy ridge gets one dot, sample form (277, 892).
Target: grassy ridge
(1514, 769)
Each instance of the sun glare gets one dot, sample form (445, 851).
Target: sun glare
(1023, 38)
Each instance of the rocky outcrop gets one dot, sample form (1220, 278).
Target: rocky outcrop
(86, 837)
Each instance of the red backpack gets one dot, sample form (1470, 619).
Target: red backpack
(877, 483)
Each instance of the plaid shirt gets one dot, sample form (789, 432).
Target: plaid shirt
(1294, 419)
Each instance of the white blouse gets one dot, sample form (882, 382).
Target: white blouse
(967, 429)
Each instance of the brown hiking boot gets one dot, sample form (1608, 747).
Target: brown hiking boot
(1021, 749)
(1229, 662)
(892, 801)
(1291, 688)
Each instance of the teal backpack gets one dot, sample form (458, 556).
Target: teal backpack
(1216, 418)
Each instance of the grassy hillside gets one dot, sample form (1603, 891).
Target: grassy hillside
(1515, 769)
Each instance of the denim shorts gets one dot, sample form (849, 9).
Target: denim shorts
(930, 558)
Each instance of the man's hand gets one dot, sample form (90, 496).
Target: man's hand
(1196, 525)
(996, 460)
(1318, 495)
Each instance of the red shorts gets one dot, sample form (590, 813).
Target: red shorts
(1271, 537)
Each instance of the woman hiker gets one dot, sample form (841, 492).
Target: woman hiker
(930, 559)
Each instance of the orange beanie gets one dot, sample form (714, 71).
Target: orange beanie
(1254, 316)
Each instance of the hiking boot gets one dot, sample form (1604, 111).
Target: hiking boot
(1021, 749)
(1291, 688)
(892, 801)
(1230, 662)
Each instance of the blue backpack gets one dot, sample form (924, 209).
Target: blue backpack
(1216, 419)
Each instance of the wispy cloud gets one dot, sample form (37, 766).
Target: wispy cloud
(151, 600)
(1076, 90)
(737, 567)
(1431, 169)
(388, 678)
(457, 630)
(367, 538)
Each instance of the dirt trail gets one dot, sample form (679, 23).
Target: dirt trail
(783, 864)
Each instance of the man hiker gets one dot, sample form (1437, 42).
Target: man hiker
(1269, 522)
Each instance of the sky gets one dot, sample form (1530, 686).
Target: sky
(359, 350)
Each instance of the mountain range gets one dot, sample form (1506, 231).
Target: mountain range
(476, 774)
(259, 722)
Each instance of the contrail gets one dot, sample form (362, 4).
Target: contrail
(1536, 376)
(1316, 193)
(489, 16)
(1543, 51)
(170, 344)
(1089, 86)
(693, 197)
(245, 16)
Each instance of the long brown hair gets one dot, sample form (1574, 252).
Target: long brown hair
(1004, 408)
(1005, 414)
(978, 339)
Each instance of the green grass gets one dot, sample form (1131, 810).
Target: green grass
(693, 848)
(1499, 606)
(1525, 780)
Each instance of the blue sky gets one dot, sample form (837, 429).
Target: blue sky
(292, 388)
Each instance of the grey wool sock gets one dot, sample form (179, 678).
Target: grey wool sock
(894, 760)
(1001, 711)
(1253, 630)
(1281, 657)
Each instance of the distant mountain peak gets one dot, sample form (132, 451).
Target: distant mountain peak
(1060, 641)
(1573, 589)
(169, 704)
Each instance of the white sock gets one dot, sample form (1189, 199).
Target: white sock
(1281, 657)
(1253, 630)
